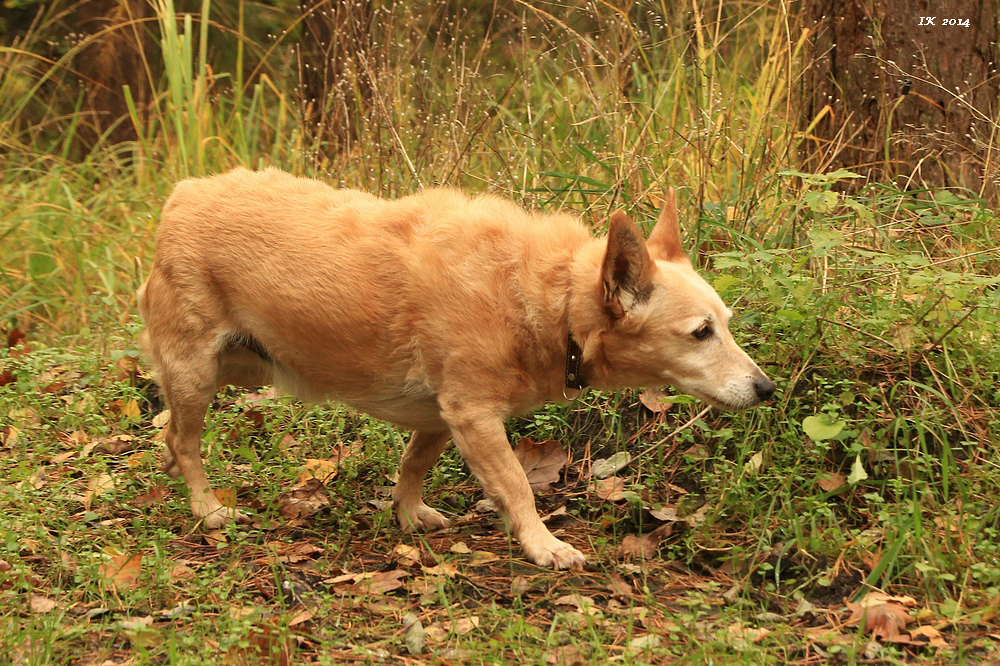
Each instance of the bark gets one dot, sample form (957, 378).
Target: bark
(335, 69)
(118, 40)
(902, 97)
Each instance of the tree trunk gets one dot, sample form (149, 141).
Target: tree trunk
(114, 57)
(335, 69)
(904, 90)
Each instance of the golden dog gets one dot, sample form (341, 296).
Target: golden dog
(437, 312)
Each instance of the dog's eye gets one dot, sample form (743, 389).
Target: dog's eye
(703, 332)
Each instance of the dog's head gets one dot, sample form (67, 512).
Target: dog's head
(658, 322)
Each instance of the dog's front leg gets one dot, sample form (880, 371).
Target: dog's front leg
(482, 441)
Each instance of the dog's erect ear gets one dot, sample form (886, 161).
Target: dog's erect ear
(665, 241)
(626, 273)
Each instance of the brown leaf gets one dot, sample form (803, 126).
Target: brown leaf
(406, 555)
(582, 603)
(929, 635)
(265, 645)
(226, 496)
(482, 557)
(384, 581)
(542, 461)
(644, 546)
(122, 570)
(152, 496)
(305, 500)
(611, 489)
(181, 571)
(566, 655)
(303, 615)
(41, 604)
(666, 514)
(114, 445)
(95, 487)
(884, 616)
(446, 569)
(654, 401)
(830, 481)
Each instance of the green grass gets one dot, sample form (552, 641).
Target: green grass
(875, 311)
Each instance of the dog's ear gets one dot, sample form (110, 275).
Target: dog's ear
(665, 241)
(626, 274)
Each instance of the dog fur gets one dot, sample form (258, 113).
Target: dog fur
(442, 314)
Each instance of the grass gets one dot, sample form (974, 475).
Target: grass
(875, 311)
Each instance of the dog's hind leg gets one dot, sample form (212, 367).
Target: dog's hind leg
(421, 453)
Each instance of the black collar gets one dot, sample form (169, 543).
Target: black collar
(574, 358)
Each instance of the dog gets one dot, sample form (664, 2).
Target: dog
(437, 312)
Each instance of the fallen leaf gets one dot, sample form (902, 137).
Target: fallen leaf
(35, 481)
(611, 489)
(929, 635)
(884, 616)
(95, 487)
(831, 481)
(130, 410)
(41, 604)
(114, 445)
(582, 603)
(561, 512)
(406, 555)
(304, 500)
(644, 546)
(746, 635)
(60, 458)
(605, 467)
(462, 625)
(435, 633)
(301, 617)
(460, 548)
(414, 633)
(655, 401)
(542, 461)
(384, 581)
(566, 655)
(482, 557)
(122, 570)
(446, 569)
(645, 642)
(152, 496)
(666, 514)
(9, 435)
(321, 469)
(161, 419)
(753, 465)
(520, 584)
(226, 496)
(181, 571)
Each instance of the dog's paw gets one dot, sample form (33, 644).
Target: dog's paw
(556, 554)
(170, 466)
(421, 517)
(218, 517)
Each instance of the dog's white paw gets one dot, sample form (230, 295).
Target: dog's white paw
(421, 517)
(554, 553)
(213, 519)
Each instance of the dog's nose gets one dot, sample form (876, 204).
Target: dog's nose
(764, 388)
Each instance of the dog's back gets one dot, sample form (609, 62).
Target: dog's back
(374, 293)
